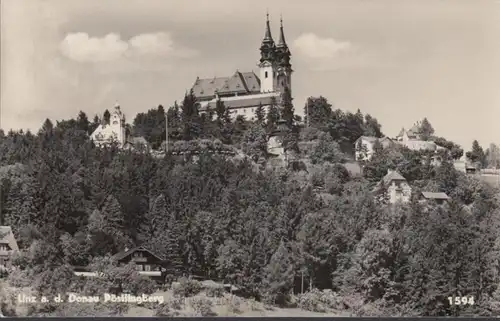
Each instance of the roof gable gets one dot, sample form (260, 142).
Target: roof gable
(393, 175)
(7, 237)
(123, 254)
(435, 196)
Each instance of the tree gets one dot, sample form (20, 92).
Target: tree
(477, 154)
(279, 276)
(426, 130)
(106, 117)
(82, 122)
(326, 150)
(287, 110)
(47, 127)
(260, 114)
(255, 142)
(492, 156)
(190, 117)
(273, 114)
(318, 111)
(372, 127)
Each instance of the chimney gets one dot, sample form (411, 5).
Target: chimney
(389, 171)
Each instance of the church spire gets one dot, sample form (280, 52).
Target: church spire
(268, 46)
(282, 52)
(268, 38)
(281, 41)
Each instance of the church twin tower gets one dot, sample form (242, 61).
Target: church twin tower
(275, 68)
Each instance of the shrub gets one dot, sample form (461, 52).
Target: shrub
(203, 306)
(139, 284)
(214, 290)
(187, 288)
(19, 279)
(176, 304)
(319, 301)
(163, 310)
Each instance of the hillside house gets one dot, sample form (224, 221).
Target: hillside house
(440, 197)
(364, 146)
(8, 245)
(395, 187)
(146, 262)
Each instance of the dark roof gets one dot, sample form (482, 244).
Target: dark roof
(123, 254)
(239, 82)
(393, 176)
(244, 102)
(436, 196)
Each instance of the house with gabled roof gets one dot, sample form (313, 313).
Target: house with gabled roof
(394, 187)
(363, 146)
(8, 245)
(146, 261)
(438, 197)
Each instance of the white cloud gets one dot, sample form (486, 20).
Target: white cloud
(81, 47)
(314, 47)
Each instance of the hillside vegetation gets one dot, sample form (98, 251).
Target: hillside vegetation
(270, 231)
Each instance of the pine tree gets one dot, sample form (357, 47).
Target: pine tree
(273, 114)
(287, 110)
(426, 130)
(190, 117)
(173, 249)
(156, 217)
(82, 122)
(279, 276)
(220, 111)
(260, 114)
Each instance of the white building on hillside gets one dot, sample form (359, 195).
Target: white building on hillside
(364, 146)
(113, 132)
(395, 187)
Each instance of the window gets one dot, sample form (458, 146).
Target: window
(139, 267)
(147, 267)
(265, 74)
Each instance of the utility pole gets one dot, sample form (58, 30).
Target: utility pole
(166, 131)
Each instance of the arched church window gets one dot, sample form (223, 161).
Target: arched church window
(115, 122)
(265, 74)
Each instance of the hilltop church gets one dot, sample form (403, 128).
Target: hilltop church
(243, 92)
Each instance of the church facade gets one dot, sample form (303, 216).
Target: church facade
(243, 92)
(112, 132)
(115, 131)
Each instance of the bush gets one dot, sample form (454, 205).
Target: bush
(19, 279)
(186, 288)
(176, 304)
(139, 284)
(163, 310)
(203, 306)
(214, 290)
(319, 301)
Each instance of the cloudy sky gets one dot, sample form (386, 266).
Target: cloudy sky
(398, 60)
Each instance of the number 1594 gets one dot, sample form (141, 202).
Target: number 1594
(461, 300)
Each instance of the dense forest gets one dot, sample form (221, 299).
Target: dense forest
(267, 229)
